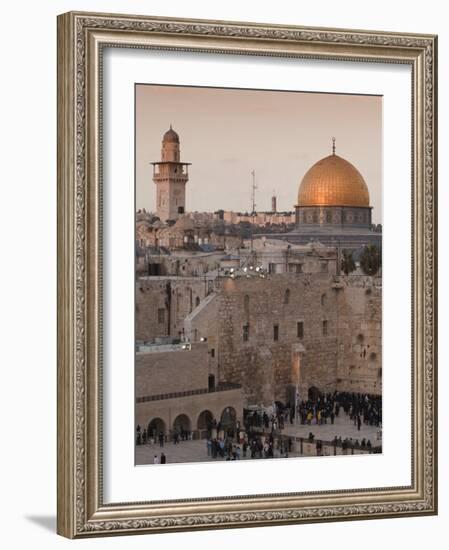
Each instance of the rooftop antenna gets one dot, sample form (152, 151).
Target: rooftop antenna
(253, 192)
(333, 146)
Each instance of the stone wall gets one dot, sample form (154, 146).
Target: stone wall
(162, 304)
(360, 330)
(262, 363)
(163, 372)
(253, 336)
(168, 410)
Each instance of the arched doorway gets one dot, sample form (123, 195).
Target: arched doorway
(204, 423)
(314, 393)
(228, 421)
(182, 427)
(155, 427)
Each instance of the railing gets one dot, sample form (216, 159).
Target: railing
(308, 448)
(161, 396)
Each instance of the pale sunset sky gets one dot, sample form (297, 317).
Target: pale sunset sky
(227, 133)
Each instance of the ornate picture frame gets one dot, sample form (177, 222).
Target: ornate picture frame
(82, 39)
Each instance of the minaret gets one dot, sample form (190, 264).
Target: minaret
(170, 176)
(273, 203)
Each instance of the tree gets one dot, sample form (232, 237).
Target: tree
(347, 262)
(370, 259)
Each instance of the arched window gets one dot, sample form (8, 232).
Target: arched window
(287, 296)
(323, 299)
(197, 301)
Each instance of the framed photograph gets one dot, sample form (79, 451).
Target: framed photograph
(246, 274)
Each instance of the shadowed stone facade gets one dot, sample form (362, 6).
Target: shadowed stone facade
(162, 304)
(174, 389)
(269, 334)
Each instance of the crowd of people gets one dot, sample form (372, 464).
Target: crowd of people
(345, 444)
(248, 445)
(261, 434)
(361, 408)
(149, 437)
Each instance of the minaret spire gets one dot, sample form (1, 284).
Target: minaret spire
(170, 176)
(333, 146)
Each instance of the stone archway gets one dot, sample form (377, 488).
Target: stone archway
(228, 420)
(155, 427)
(204, 423)
(314, 393)
(182, 426)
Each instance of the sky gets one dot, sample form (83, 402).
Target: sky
(226, 133)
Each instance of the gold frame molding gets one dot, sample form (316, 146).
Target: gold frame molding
(81, 39)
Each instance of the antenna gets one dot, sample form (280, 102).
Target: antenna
(253, 192)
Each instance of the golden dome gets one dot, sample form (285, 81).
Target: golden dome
(333, 181)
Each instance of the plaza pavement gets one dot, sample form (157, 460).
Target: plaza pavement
(196, 450)
(342, 427)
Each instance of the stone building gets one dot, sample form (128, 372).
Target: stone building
(280, 256)
(260, 218)
(316, 331)
(170, 176)
(177, 389)
(274, 331)
(333, 206)
(227, 318)
(162, 304)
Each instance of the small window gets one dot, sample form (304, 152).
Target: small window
(245, 333)
(212, 353)
(300, 329)
(246, 304)
(323, 299)
(161, 316)
(180, 209)
(275, 333)
(197, 301)
(287, 296)
(325, 328)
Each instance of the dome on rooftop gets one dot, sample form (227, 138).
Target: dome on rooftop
(333, 181)
(171, 136)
